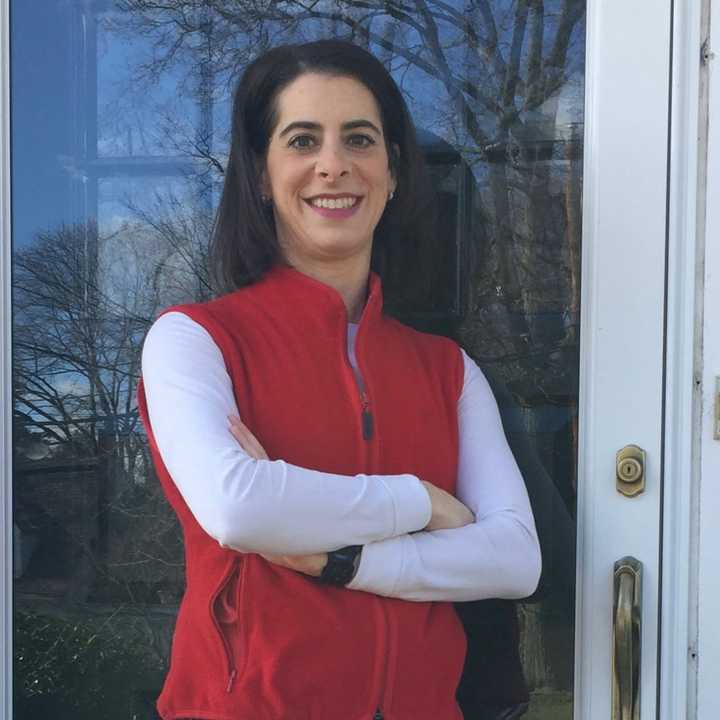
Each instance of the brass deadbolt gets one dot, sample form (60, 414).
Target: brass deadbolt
(630, 470)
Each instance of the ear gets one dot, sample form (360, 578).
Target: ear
(393, 184)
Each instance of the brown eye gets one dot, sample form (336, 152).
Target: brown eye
(302, 142)
(360, 141)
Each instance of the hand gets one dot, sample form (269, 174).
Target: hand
(447, 511)
(312, 565)
(248, 442)
(307, 564)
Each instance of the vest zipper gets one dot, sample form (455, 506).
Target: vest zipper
(229, 659)
(231, 680)
(368, 430)
(385, 662)
(367, 418)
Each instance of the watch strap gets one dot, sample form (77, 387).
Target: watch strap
(340, 567)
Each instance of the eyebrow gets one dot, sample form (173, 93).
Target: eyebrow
(309, 125)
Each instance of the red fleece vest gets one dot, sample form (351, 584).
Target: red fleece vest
(254, 641)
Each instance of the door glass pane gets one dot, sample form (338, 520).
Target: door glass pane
(120, 119)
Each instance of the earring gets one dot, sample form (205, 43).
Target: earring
(266, 199)
(391, 195)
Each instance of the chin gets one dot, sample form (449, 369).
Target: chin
(338, 244)
(324, 244)
(341, 249)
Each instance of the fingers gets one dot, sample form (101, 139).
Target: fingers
(447, 511)
(247, 440)
(240, 434)
(307, 564)
(461, 514)
(469, 516)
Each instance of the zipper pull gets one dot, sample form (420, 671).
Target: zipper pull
(367, 418)
(231, 680)
(378, 715)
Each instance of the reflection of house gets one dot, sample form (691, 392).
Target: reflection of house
(74, 540)
(565, 143)
(56, 523)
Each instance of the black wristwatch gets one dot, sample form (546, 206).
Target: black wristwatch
(340, 567)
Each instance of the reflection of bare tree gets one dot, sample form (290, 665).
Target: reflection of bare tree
(90, 523)
(76, 345)
(82, 306)
(180, 273)
(489, 77)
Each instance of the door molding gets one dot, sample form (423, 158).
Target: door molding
(5, 375)
(685, 247)
(706, 538)
(625, 179)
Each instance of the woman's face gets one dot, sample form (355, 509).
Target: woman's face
(327, 169)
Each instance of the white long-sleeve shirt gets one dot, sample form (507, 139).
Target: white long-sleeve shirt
(275, 507)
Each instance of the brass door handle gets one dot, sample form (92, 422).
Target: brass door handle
(626, 639)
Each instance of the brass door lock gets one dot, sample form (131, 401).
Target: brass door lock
(630, 471)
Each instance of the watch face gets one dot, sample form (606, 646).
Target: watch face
(340, 566)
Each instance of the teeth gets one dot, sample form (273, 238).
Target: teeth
(334, 204)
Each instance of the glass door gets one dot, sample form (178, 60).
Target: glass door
(120, 113)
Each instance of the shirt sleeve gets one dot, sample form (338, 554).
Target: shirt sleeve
(497, 556)
(247, 504)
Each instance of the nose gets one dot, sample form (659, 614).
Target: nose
(332, 162)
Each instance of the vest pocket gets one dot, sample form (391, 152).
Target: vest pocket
(226, 611)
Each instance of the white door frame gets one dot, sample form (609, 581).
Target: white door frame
(627, 79)
(678, 636)
(705, 597)
(639, 232)
(622, 329)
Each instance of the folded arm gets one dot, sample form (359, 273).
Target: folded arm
(254, 505)
(497, 556)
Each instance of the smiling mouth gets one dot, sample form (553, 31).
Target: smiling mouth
(341, 203)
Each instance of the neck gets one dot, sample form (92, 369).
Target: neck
(349, 278)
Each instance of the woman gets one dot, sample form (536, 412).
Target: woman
(339, 477)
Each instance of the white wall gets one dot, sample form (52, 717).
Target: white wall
(708, 689)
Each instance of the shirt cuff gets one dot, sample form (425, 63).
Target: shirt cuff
(411, 502)
(381, 564)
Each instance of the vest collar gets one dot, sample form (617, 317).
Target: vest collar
(304, 295)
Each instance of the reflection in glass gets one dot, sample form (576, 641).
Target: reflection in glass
(141, 113)
(112, 208)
